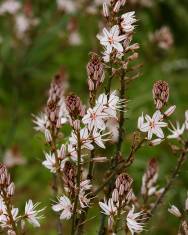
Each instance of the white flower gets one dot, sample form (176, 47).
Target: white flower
(83, 199)
(108, 207)
(85, 185)
(176, 132)
(106, 56)
(50, 162)
(64, 205)
(66, 5)
(111, 39)
(5, 220)
(63, 113)
(2, 208)
(74, 38)
(186, 119)
(114, 104)
(97, 138)
(112, 125)
(94, 118)
(9, 6)
(22, 24)
(31, 214)
(153, 125)
(72, 151)
(54, 164)
(128, 19)
(42, 125)
(84, 139)
(110, 105)
(175, 211)
(133, 221)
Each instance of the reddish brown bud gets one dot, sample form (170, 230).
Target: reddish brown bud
(160, 93)
(150, 177)
(95, 72)
(55, 100)
(74, 106)
(4, 176)
(124, 185)
(69, 177)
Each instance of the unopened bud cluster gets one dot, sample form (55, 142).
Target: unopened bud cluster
(95, 71)
(74, 107)
(7, 187)
(55, 100)
(160, 93)
(123, 187)
(69, 178)
(149, 178)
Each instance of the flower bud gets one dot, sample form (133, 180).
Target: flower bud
(124, 185)
(156, 142)
(133, 57)
(74, 106)
(4, 176)
(150, 177)
(105, 10)
(170, 111)
(117, 6)
(175, 211)
(91, 85)
(115, 195)
(95, 72)
(11, 189)
(160, 93)
(76, 124)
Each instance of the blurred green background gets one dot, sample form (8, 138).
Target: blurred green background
(56, 38)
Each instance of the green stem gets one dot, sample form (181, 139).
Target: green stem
(108, 87)
(114, 161)
(179, 164)
(121, 118)
(90, 172)
(55, 179)
(9, 209)
(73, 229)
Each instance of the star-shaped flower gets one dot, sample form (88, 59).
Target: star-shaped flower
(111, 39)
(153, 125)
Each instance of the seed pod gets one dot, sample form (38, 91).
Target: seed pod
(160, 93)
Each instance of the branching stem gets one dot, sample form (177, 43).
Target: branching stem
(179, 164)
